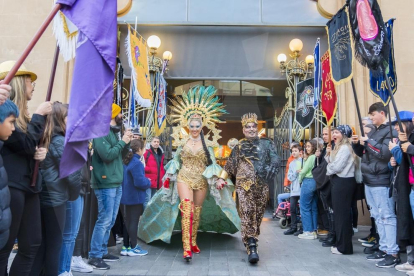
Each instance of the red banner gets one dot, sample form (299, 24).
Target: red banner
(328, 98)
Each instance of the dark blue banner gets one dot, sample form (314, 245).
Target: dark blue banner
(379, 84)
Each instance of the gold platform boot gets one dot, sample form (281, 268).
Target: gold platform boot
(186, 207)
(196, 224)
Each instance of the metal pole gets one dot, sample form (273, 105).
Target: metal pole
(48, 97)
(32, 43)
(357, 107)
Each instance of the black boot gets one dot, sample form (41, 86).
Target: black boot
(290, 231)
(253, 256)
(329, 242)
(300, 231)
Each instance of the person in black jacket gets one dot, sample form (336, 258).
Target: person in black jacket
(8, 115)
(376, 176)
(19, 153)
(55, 193)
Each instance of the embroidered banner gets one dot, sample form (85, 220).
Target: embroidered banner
(317, 74)
(340, 47)
(370, 34)
(378, 84)
(161, 110)
(304, 103)
(137, 53)
(328, 98)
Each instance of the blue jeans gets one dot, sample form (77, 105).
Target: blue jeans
(74, 210)
(147, 197)
(282, 197)
(412, 201)
(309, 205)
(383, 211)
(108, 206)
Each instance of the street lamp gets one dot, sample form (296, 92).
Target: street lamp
(296, 70)
(157, 64)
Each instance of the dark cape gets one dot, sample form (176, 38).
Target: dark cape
(405, 221)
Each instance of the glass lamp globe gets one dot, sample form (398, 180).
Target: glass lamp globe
(167, 55)
(154, 42)
(281, 58)
(296, 45)
(310, 59)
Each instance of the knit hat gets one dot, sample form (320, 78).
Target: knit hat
(116, 109)
(345, 130)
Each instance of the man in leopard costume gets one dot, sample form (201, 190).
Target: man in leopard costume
(254, 164)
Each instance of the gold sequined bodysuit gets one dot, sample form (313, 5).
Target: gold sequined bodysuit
(193, 166)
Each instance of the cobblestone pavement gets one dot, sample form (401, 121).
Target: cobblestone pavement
(225, 255)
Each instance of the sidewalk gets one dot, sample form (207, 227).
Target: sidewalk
(225, 255)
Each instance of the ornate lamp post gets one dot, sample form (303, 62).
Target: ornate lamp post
(157, 68)
(296, 70)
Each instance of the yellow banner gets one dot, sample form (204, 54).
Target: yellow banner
(137, 53)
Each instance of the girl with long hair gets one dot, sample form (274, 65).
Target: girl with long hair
(342, 167)
(19, 153)
(134, 187)
(308, 196)
(55, 193)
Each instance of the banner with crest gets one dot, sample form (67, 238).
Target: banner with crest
(305, 110)
(329, 100)
(161, 109)
(340, 47)
(137, 53)
(378, 84)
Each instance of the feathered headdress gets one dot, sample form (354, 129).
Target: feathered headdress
(199, 103)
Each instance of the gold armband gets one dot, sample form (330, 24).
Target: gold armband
(223, 175)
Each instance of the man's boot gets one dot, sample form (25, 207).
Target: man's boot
(253, 256)
(186, 207)
(330, 241)
(290, 231)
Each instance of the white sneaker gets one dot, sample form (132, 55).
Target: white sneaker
(307, 236)
(64, 274)
(405, 267)
(79, 265)
(355, 230)
(410, 273)
(334, 250)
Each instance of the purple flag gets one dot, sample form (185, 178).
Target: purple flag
(91, 96)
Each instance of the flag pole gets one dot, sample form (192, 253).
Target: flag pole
(32, 43)
(48, 97)
(357, 107)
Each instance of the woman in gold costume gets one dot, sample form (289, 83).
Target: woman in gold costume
(190, 179)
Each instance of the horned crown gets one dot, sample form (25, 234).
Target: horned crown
(249, 118)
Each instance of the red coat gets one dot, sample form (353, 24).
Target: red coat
(151, 168)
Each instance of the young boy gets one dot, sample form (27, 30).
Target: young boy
(8, 115)
(293, 176)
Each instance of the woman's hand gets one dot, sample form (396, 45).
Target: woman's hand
(40, 154)
(220, 184)
(4, 92)
(405, 146)
(318, 153)
(328, 150)
(402, 137)
(44, 109)
(393, 162)
(391, 145)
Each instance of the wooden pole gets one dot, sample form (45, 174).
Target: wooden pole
(357, 107)
(32, 43)
(48, 97)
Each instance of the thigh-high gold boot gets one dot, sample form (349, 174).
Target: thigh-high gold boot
(196, 224)
(186, 207)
